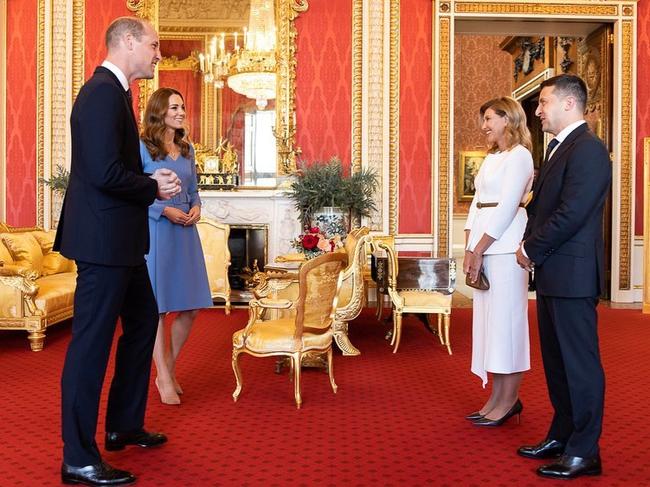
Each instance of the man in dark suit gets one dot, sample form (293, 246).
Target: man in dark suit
(564, 242)
(104, 228)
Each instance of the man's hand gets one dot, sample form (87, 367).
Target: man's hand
(193, 215)
(523, 261)
(168, 183)
(175, 215)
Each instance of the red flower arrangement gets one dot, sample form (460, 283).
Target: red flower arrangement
(313, 242)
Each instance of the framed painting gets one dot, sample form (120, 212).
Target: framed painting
(468, 166)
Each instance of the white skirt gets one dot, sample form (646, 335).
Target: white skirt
(500, 341)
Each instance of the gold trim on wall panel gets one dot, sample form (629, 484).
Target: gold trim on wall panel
(627, 149)
(442, 131)
(3, 110)
(40, 110)
(534, 8)
(58, 88)
(646, 225)
(393, 117)
(357, 83)
(78, 47)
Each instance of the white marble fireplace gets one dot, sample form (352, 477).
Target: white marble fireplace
(256, 206)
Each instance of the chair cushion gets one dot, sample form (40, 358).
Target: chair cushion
(25, 250)
(45, 239)
(5, 255)
(55, 263)
(56, 292)
(432, 299)
(277, 336)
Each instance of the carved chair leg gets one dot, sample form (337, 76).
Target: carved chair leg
(440, 335)
(227, 307)
(297, 359)
(394, 332)
(447, 325)
(235, 368)
(36, 340)
(397, 334)
(380, 305)
(342, 340)
(330, 369)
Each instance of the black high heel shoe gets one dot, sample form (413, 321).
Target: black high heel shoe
(515, 410)
(474, 416)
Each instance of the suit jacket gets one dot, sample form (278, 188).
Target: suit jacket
(564, 236)
(104, 214)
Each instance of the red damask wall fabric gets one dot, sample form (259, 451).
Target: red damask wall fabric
(324, 80)
(415, 117)
(21, 113)
(642, 107)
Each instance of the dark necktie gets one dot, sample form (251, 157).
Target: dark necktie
(129, 97)
(551, 145)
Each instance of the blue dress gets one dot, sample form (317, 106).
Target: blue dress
(175, 259)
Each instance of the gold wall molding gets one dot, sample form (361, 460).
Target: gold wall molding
(535, 8)
(646, 225)
(40, 112)
(393, 118)
(626, 161)
(217, 13)
(357, 85)
(3, 112)
(623, 17)
(78, 45)
(172, 63)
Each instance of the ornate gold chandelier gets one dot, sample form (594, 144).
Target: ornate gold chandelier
(252, 69)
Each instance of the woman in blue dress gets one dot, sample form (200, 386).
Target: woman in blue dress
(175, 260)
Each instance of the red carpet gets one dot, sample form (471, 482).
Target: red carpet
(397, 420)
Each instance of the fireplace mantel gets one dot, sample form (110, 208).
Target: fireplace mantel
(255, 207)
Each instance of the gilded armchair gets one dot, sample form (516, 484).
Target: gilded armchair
(214, 240)
(427, 301)
(308, 332)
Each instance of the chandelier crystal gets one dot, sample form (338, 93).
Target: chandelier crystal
(252, 69)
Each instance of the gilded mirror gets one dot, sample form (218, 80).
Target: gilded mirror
(251, 136)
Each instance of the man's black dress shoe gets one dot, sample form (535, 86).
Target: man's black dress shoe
(117, 441)
(545, 449)
(101, 474)
(568, 467)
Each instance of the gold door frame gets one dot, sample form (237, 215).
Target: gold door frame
(623, 16)
(286, 13)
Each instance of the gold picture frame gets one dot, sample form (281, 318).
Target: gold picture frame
(469, 162)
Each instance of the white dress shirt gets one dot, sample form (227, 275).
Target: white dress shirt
(505, 178)
(117, 72)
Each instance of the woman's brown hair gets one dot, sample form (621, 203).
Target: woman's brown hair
(153, 127)
(516, 129)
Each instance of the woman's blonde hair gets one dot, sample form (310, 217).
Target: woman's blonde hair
(516, 129)
(153, 127)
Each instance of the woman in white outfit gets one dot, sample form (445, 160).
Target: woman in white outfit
(494, 229)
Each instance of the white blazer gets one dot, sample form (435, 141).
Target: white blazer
(504, 178)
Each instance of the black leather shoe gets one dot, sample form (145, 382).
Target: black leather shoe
(568, 467)
(515, 410)
(101, 474)
(474, 416)
(545, 449)
(117, 441)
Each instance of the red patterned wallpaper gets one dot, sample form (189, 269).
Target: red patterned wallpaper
(21, 113)
(180, 48)
(642, 109)
(324, 80)
(415, 117)
(483, 71)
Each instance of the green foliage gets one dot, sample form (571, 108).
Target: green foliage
(59, 180)
(325, 184)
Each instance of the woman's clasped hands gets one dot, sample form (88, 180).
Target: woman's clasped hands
(179, 217)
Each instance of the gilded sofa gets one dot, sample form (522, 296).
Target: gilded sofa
(36, 284)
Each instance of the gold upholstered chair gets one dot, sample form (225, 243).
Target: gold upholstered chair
(214, 240)
(352, 295)
(308, 332)
(427, 301)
